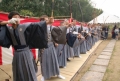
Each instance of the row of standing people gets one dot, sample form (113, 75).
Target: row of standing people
(115, 32)
(53, 58)
(22, 36)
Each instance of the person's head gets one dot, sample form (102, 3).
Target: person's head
(93, 26)
(114, 26)
(82, 23)
(89, 25)
(74, 22)
(62, 23)
(51, 20)
(66, 22)
(14, 14)
(44, 18)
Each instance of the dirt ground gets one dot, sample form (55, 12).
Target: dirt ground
(92, 59)
(113, 69)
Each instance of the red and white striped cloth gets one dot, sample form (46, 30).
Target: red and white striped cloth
(6, 55)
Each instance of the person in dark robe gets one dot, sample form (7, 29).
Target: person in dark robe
(69, 50)
(105, 30)
(23, 65)
(113, 33)
(61, 52)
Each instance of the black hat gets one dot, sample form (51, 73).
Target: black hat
(11, 14)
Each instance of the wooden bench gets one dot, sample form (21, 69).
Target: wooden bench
(5, 72)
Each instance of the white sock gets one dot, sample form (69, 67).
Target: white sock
(61, 77)
(42, 79)
(64, 67)
(80, 56)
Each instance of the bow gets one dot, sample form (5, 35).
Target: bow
(80, 11)
(52, 8)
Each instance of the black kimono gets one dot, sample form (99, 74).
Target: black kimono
(24, 37)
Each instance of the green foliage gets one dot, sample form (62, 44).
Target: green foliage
(26, 13)
(61, 8)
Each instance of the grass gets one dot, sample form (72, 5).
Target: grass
(109, 70)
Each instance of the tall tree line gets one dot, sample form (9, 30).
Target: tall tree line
(61, 8)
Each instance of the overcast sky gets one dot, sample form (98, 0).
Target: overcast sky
(108, 6)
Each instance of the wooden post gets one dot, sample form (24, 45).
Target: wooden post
(52, 13)
(71, 8)
(80, 11)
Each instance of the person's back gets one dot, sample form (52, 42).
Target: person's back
(113, 33)
(116, 33)
(119, 30)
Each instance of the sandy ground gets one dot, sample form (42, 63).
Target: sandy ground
(92, 59)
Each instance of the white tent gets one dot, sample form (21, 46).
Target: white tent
(106, 18)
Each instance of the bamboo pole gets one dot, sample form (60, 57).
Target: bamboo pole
(52, 13)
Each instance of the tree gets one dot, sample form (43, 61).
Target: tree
(61, 8)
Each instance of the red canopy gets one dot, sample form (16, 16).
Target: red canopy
(57, 22)
(29, 20)
(3, 16)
